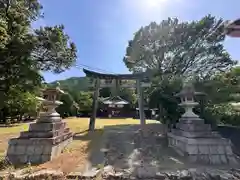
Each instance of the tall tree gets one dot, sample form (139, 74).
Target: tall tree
(179, 48)
(177, 51)
(25, 52)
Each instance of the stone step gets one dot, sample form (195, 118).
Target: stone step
(193, 127)
(43, 134)
(196, 134)
(46, 126)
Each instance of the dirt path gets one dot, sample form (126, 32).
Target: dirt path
(4, 142)
(129, 149)
(68, 161)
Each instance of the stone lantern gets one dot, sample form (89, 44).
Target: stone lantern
(46, 138)
(50, 102)
(194, 139)
(187, 101)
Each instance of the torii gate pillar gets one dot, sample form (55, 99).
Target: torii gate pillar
(140, 104)
(94, 105)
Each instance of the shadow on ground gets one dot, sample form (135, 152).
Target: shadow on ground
(94, 147)
(232, 133)
(126, 146)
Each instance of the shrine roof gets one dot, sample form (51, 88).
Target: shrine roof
(114, 100)
(113, 76)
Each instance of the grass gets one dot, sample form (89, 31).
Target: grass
(81, 124)
(16, 128)
(77, 152)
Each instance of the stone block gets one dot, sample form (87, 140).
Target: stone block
(203, 158)
(232, 160)
(181, 145)
(193, 134)
(215, 159)
(43, 141)
(23, 159)
(45, 158)
(11, 149)
(194, 127)
(39, 150)
(13, 159)
(30, 150)
(45, 127)
(213, 149)
(48, 119)
(43, 134)
(47, 150)
(34, 159)
(228, 150)
(221, 149)
(223, 159)
(21, 149)
(194, 139)
(203, 149)
(191, 149)
(192, 158)
(191, 120)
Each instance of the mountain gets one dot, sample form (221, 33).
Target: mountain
(76, 83)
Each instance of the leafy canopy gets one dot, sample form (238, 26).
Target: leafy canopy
(26, 52)
(179, 48)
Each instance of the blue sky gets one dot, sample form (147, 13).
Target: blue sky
(102, 28)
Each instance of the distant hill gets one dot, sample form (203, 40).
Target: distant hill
(76, 83)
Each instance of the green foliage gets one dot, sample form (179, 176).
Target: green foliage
(181, 51)
(128, 95)
(179, 48)
(225, 113)
(85, 101)
(53, 50)
(25, 52)
(22, 102)
(67, 108)
(162, 97)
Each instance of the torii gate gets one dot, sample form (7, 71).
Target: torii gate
(101, 80)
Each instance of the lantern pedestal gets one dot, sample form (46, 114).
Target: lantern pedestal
(44, 140)
(196, 141)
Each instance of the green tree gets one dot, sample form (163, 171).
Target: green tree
(221, 91)
(179, 48)
(25, 52)
(176, 52)
(67, 108)
(20, 103)
(85, 101)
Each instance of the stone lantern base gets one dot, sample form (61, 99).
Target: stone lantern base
(44, 140)
(195, 140)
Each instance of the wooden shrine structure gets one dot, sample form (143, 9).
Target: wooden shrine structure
(115, 106)
(116, 81)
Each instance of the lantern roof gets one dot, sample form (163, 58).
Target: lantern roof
(188, 90)
(54, 90)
